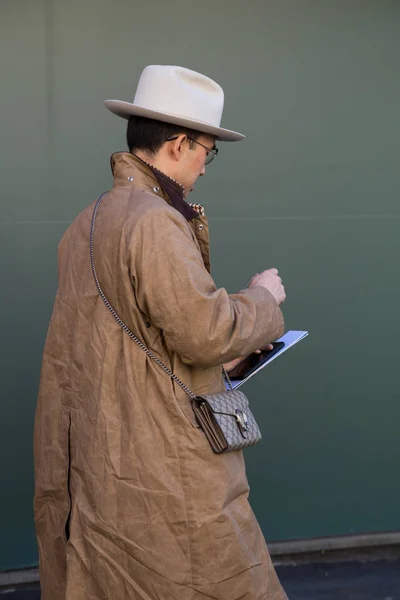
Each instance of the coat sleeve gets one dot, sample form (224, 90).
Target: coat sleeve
(202, 323)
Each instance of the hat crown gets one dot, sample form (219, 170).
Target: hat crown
(181, 92)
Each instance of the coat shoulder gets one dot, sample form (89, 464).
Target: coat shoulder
(144, 209)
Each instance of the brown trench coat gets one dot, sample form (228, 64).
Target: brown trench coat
(130, 500)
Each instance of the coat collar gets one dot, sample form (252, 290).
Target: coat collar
(129, 169)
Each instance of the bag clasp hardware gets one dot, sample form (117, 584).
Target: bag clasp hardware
(241, 419)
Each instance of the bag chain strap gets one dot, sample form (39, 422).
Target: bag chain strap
(125, 327)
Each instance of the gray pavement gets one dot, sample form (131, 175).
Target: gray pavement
(372, 580)
(375, 580)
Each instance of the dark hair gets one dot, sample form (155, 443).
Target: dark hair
(149, 135)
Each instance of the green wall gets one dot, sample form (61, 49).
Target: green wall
(314, 190)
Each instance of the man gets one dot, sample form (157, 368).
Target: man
(130, 500)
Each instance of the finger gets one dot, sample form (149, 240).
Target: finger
(275, 271)
(269, 347)
(257, 352)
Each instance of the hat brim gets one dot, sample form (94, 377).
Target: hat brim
(126, 110)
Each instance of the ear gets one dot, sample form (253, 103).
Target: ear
(177, 146)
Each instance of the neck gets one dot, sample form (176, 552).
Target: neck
(156, 161)
(161, 164)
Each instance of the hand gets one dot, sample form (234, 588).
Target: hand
(271, 281)
(234, 363)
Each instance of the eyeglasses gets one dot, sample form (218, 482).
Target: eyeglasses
(211, 152)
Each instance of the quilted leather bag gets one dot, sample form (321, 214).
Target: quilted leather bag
(227, 421)
(224, 417)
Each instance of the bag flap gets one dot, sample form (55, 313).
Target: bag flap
(226, 403)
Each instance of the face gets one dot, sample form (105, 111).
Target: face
(191, 164)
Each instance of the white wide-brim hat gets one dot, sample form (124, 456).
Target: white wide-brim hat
(179, 96)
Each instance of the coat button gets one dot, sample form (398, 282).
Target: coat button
(130, 178)
(200, 227)
(156, 189)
